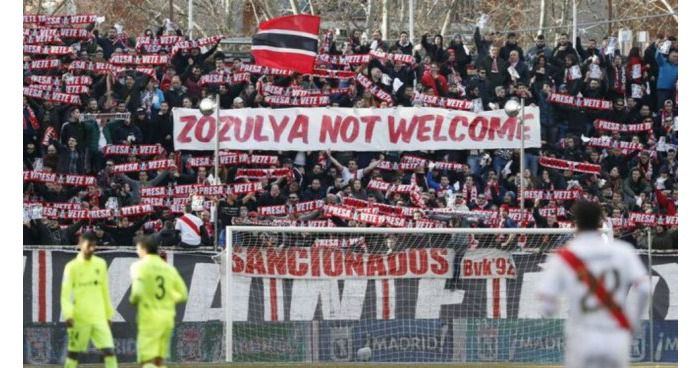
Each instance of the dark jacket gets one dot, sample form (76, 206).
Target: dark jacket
(92, 130)
(482, 46)
(168, 237)
(504, 53)
(436, 53)
(108, 46)
(406, 50)
(496, 78)
(175, 96)
(57, 236)
(132, 96)
(125, 235)
(121, 130)
(70, 162)
(162, 127)
(76, 130)
(461, 57)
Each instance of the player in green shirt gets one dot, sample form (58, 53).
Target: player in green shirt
(156, 289)
(89, 312)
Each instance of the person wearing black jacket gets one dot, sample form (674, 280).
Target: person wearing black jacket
(126, 132)
(461, 55)
(314, 191)
(435, 50)
(228, 209)
(51, 192)
(163, 127)
(168, 236)
(403, 45)
(652, 68)
(70, 159)
(589, 51)
(562, 49)
(74, 128)
(130, 90)
(272, 198)
(124, 233)
(176, 93)
(482, 44)
(184, 58)
(110, 43)
(30, 154)
(511, 45)
(495, 67)
(50, 233)
(103, 238)
(520, 69)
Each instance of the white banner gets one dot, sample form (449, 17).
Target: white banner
(346, 129)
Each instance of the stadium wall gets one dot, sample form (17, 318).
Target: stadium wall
(328, 319)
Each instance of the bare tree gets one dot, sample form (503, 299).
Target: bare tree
(526, 17)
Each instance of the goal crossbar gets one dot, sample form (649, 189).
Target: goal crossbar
(385, 230)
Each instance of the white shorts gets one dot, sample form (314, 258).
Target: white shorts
(597, 349)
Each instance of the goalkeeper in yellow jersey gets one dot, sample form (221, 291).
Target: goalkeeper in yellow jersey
(156, 289)
(89, 311)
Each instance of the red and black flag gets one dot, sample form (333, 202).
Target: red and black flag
(289, 42)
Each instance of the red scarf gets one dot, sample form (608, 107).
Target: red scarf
(620, 79)
(470, 193)
(32, 119)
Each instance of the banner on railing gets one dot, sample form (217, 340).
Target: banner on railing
(346, 129)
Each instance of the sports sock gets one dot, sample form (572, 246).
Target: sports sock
(111, 361)
(70, 363)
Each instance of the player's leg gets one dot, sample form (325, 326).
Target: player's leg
(164, 346)
(147, 347)
(78, 339)
(598, 349)
(103, 340)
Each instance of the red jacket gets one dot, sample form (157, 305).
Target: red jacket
(427, 80)
(666, 203)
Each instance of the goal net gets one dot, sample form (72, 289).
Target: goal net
(326, 294)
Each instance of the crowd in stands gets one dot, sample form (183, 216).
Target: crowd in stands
(99, 155)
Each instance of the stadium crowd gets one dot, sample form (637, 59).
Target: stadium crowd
(98, 114)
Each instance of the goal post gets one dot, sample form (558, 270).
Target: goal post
(343, 294)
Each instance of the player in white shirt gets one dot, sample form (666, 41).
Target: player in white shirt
(607, 294)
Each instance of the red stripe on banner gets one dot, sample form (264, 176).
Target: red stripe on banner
(385, 300)
(299, 23)
(42, 286)
(496, 298)
(284, 60)
(273, 299)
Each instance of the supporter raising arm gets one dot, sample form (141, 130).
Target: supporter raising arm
(352, 171)
(123, 233)
(143, 182)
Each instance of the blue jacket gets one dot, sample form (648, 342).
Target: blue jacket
(668, 73)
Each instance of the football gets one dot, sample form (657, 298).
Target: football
(364, 354)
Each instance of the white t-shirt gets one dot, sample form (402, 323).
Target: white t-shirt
(615, 263)
(347, 175)
(102, 141)
(188, 234)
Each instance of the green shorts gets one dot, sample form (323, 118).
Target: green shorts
(81, 333)
(153, 343)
